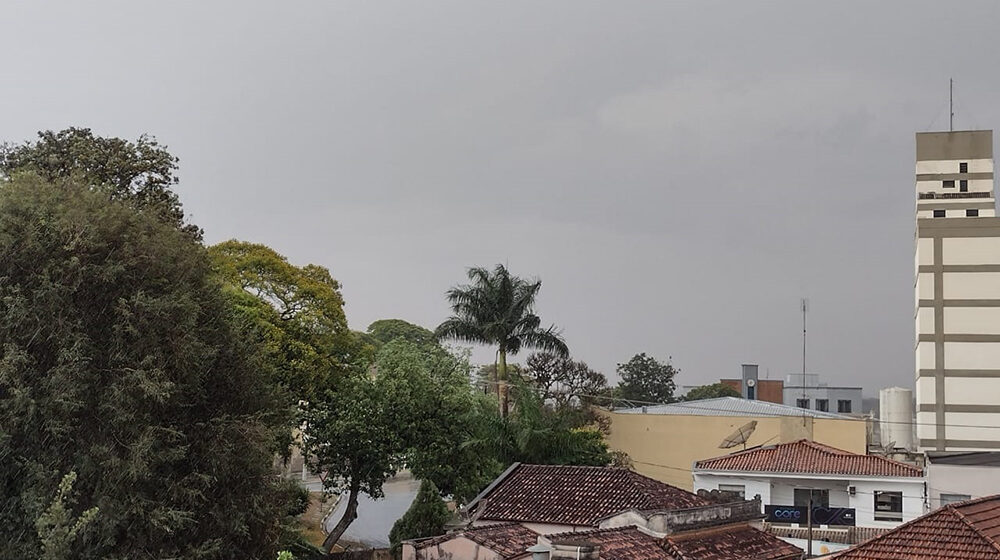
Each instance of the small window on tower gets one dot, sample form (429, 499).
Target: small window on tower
(939, 213)
(972, 213)
(948, 184)
(963, 167)
(823, 405)
(963, 185)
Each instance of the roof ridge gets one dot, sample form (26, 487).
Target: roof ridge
(972, 526)
(595, 531)
(892, 532)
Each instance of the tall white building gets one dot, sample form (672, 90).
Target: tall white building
(957, 289)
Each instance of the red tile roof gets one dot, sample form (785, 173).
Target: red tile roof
(964, 531)
(509, 540)
(568, 495)
(808, 457)
(732, 542)
(621, 543)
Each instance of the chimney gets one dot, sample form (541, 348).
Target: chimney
(574, 550)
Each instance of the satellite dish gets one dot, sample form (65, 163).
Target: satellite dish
(740, 436)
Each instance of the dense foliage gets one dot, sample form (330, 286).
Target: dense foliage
(715, 390)
(297, 312)
(497, 308)
(644, 379)
(426, 516)
(121, 361)
(139, 174)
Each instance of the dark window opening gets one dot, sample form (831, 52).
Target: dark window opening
(939, 213)
(843, 405)
(802, 403)
(888, 506)
(948, 184)
(963, 186)
(820, 498)
(751, 394)
(823, 405)
(972, 213)
(963, 167)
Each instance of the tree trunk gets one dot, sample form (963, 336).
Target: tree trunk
(502, 382)
(350, 514)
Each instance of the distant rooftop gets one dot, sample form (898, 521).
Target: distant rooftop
(731, 406)
(972, 458)
(808, 457)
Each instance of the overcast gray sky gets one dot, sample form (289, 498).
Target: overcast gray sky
(679, 174)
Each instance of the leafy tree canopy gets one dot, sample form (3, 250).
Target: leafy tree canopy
(122, 362)
(645, 379)
(497, 308)
(564, 380)
(387, 330)
(140, 173)
(713, 391)
(298, 313)
(426, 516)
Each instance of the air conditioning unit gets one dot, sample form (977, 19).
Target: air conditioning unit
(852, 490)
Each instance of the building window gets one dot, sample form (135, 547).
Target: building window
(802, 403)
(751, 393)
(823, 405)
(888, 506)
(954, 498)
(963, 186)
(820, 498)
(738, 489)
(950, 184)
(963, 167)
(972, 213)
(939, 213)
(844, 405)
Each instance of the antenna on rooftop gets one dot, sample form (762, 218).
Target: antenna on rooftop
(951, 106)
(740, 436)
(805, 308)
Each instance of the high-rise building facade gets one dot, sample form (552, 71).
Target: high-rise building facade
(957, 289)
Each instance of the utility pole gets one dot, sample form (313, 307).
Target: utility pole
(809, 525)
(951, 105)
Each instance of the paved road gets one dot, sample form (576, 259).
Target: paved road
(375, 518)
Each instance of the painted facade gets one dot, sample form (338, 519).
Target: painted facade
(957, 293)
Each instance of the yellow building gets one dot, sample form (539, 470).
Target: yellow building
(664, 441)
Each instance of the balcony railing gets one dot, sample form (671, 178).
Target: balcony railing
(937, 195)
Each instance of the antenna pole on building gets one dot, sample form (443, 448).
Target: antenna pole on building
(805, 307)
(951, 105)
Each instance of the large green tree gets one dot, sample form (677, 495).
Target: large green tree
(417, 410)
(138, 173)
(644, 379)
(121, 361)
(387, 330)
(497, 308)
(297, 311)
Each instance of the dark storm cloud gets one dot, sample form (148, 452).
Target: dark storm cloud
(678, 174)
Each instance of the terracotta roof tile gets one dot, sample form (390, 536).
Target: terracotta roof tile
(735, 542)
(730, 543)
(805, 456)
(570, 495)
(621, 543)
(964, 531)
(509, 540)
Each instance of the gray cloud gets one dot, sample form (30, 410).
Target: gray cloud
(678, 174)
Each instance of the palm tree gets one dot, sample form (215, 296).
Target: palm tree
(497, 309)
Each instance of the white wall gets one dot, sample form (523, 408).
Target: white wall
(974, 481)
(780, 490)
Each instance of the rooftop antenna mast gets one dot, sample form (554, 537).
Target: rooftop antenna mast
(951, 105)
(805, 308)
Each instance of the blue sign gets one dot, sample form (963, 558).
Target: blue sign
(820, 515)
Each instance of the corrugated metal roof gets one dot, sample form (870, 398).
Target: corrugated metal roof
(731, 406)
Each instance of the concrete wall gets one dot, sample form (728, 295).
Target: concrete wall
(457, 548)
(973, 481)
(665, 446)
